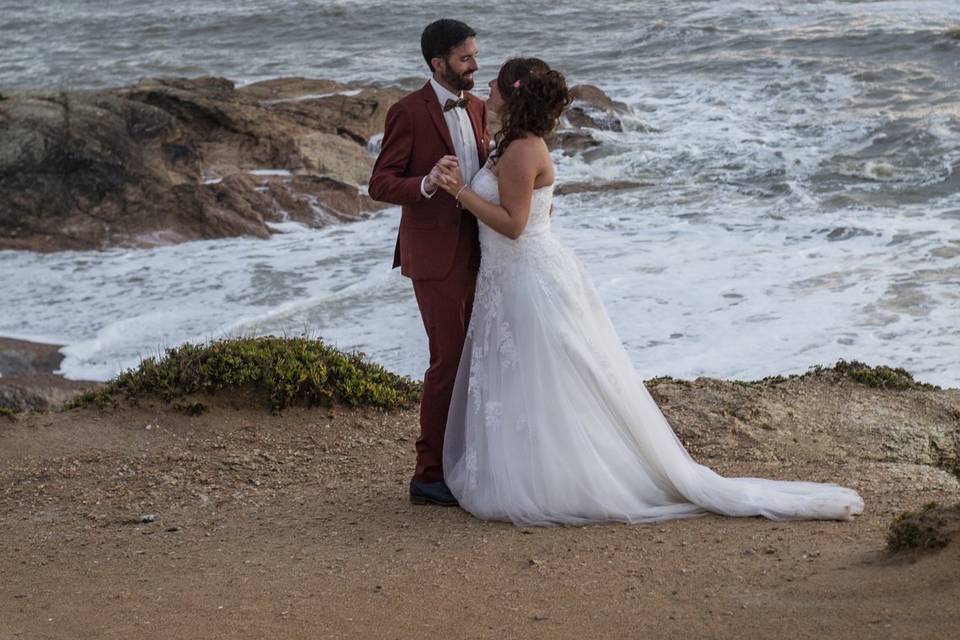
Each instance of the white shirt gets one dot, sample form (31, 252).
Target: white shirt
(461, 133)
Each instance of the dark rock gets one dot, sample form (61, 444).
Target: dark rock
(169, 160)
(845, 233)
(354, 113)
(592, 108)
(573, 142)
(569, 188)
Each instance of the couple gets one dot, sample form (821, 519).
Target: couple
(532, 411)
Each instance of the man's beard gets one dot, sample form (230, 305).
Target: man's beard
(456, 81)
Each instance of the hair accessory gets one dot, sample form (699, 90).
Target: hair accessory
(516, 85)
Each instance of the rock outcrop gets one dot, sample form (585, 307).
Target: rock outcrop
(169, 160)
(591, 111)
(827, 415)
(592, 108)
(174, 159)
(27, 378)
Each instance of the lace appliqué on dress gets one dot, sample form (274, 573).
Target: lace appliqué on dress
(471, 465)
(507, 347)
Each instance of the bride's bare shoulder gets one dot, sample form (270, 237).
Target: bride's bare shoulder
(529, 151)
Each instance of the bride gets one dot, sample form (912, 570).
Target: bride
(549, 422)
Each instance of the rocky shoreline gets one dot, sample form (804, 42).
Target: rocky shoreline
(169, 160)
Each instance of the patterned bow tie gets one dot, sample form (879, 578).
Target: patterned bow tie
(453, 104)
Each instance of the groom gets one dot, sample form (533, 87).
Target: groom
(437, 245)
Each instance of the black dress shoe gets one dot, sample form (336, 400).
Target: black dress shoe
(431, 493)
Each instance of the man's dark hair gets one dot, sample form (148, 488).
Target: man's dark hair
(440, 37)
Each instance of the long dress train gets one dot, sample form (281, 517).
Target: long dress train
(551, 424)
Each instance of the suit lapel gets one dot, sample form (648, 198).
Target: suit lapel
(433, 108)
(479, 127)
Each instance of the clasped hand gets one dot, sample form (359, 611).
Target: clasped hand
(446, 174)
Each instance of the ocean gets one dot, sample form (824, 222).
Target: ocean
(803, 157)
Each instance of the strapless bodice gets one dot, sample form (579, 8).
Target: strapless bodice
(485, 184)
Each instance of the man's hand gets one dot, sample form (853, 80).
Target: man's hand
(450, 179)
(434, 178)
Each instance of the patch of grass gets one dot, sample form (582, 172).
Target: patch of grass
(9, 412)
(918, 530)
(763, 382)
(663, 379)
(283, 370)
(879, 377)
(776, 379)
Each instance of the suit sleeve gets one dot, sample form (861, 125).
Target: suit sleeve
(389, 182)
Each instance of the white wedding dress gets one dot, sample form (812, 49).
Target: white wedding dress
(549, 422)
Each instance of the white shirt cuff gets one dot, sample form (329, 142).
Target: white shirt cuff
(423, 188)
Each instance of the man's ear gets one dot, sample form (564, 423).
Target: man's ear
(436, 63)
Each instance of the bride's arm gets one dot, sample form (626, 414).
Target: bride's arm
(516, 177)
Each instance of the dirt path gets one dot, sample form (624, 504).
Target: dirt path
(297, 527)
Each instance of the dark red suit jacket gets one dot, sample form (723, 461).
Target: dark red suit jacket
(416, 136)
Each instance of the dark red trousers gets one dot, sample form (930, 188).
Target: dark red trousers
(445, 306)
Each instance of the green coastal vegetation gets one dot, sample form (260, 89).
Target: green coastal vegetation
(927, 529)
(281, 371)
(877, 377)
(288, 370)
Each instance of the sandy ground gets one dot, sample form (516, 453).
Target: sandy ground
(298, 526)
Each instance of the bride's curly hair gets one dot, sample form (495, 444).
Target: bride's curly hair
(534, 97)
